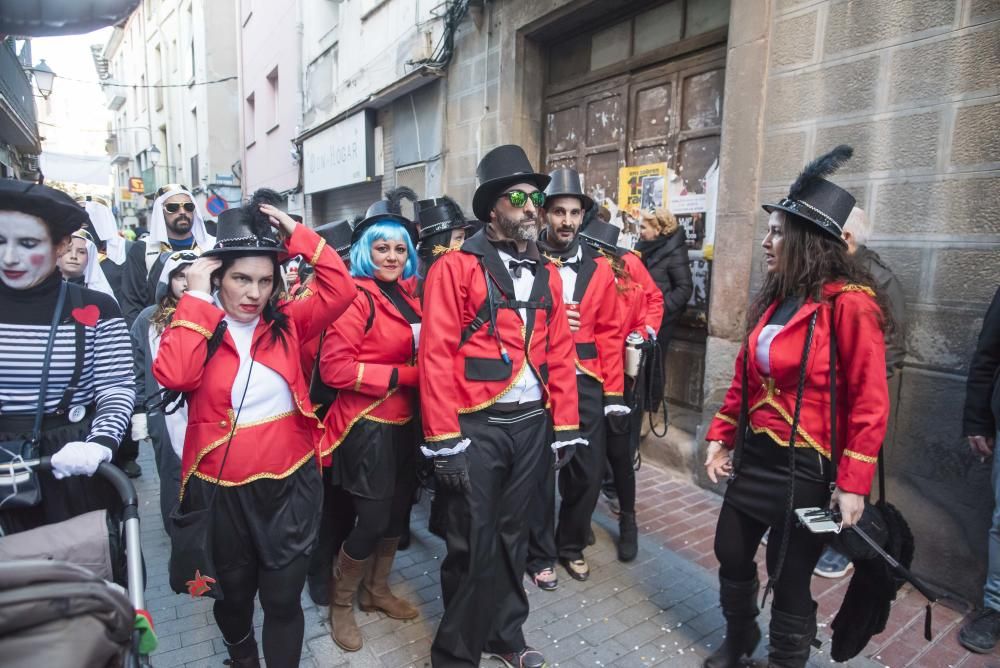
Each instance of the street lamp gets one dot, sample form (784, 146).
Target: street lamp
(154, 155)
(44, 78)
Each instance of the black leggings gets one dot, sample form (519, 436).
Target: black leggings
(378, 519)
(737, 537)
(279, 597)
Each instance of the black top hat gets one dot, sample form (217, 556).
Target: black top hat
(241, 230)
(338, 236)
(499, 169)
(62, 215)
(601, 236)
(566, 183)
(817, 200)
(388, 210)
(438, 215)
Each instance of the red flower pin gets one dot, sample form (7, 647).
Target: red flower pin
(87, 315)
(200, 584)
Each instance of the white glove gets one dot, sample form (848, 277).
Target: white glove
(651, 332)
(617, 409)
(79, 458)
(140, 430)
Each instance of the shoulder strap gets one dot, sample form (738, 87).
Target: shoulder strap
(371, 309)
(76, 301)
(36, 431)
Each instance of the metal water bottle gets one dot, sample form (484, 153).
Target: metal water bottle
(633, 354)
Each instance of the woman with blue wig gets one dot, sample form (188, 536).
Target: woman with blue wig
(370, 356)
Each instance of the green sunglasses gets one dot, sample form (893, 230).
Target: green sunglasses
(518, 198)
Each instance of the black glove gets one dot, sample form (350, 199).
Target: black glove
(564, 454)
(451, 473)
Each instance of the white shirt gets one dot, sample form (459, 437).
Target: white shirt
(526, 388)
(568, 276)
(764, 347)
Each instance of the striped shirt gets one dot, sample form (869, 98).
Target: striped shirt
(106, 380)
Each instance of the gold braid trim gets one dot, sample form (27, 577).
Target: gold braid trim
(442, 437)
(725, 418)
(193, 326)
(567, 427)
(361, 372)
(350, 425)
(441, 250)
(867, 459)
(557, 261)
(257, 476)
(490, 402)
(588, 372)
(777, 439)
(855, 287)
(319, 249)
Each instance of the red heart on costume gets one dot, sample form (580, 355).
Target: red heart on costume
(88, 315)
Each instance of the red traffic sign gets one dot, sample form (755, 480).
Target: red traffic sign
(216, 205)
(136, 185)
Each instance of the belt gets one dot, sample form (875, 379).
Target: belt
(509, 407)
(23, 423)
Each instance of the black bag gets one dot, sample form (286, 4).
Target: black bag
(192, 561)
(322, 395)
(19, 487)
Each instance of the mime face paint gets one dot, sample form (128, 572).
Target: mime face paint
(27, 256)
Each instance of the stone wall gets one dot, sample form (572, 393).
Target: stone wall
(913, 86)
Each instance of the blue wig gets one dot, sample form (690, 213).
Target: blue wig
(361, 251)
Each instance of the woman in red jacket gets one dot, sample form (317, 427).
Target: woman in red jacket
(369, 355)
(813, 295)
(250, 450)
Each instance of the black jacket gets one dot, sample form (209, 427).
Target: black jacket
(889, 285)
(982, 399)
(666, 258)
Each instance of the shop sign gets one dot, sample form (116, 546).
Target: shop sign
(341, 155)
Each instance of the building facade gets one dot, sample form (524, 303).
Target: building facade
(20, 143)
(271, 39)
(170, 77)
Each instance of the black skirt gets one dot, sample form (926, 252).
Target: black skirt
(374, 457)
(61, 499)
(760, 486)
(266, 523)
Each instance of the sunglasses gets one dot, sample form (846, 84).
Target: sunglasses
(174, 207)
(519, 198)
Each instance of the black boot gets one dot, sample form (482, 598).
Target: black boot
(628, 537)
(739, 607)
(243, 654)
(791, 637)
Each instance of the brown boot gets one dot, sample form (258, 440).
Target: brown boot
(347, 575)
(375, 594)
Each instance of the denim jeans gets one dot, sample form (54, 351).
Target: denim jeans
(991, 592)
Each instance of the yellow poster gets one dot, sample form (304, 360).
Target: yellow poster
(641, 187)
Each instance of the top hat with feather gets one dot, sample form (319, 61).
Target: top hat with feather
(500, 169)
(246, 229)
(817, 200)
(388, 210)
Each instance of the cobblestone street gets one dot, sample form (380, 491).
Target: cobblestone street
(662, 609)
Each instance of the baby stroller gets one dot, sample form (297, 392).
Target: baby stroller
(55, 613)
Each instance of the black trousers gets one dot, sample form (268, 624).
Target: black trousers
(579, 487)
(481, 576)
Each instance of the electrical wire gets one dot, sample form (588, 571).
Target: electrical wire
(135, 85)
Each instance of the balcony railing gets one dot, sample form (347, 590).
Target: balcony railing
(18, 122)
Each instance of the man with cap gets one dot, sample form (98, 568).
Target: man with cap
(498, 398)
(176, 224)
(589, 292)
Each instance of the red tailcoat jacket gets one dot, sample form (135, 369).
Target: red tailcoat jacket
(456, 379)
(654, 298)
(273, 448)
(862, 391)
(360, 364)
(632, 303)
(599, 351)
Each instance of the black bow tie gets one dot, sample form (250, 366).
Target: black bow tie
(515, 267)
(574, 265)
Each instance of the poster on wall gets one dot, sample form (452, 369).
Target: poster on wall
(641, 187)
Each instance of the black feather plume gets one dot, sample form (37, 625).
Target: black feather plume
(820, 168)
(259, 223)
(396, 197)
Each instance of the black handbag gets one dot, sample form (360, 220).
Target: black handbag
(19, 486)
(192, 561)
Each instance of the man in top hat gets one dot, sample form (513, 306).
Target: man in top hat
(176, 224)
(498, 398)
(589, 292)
